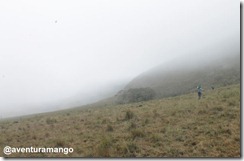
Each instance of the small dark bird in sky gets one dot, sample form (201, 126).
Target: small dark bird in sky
(55, 21)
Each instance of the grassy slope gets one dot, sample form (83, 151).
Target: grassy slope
(179, 126)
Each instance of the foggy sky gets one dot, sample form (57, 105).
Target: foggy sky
(55, 50)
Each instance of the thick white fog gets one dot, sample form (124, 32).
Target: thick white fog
(59, 54)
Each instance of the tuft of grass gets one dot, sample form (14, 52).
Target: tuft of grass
(103, 149)
(15, 122)
(60, 143)
(132, 126)
(132, 148)
(155, 138)
(109, 128)
(34, 137)
(137, 133)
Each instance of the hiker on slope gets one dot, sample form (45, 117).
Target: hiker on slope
(199, 91)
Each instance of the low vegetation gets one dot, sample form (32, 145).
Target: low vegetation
(180, 126)
(134, 95)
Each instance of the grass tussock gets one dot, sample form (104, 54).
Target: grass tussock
(129, 115)
(180, 126)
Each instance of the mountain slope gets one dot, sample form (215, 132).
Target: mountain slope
(183, 74)
(181, 126)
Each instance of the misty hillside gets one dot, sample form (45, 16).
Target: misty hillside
(180, 126)
(182, 75)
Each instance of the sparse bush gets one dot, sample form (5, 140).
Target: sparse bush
(47, 135)
(129, 115)
(173, 113)
(174, 152)
(103, 149)
(51, 120)
(77, 127)
(16, 122)
(34, 137)
(226, 131)
(132, 126)
(104, 121)
(60, 143)
(202, 112)
(232, 102)
(145, 122)
(137, 133)
(109, 128)
(132, 147)
(155, 113)
(155, 138)
(121, 150)
(216, 110)
(9, 139)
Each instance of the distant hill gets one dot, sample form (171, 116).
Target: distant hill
(210, 68)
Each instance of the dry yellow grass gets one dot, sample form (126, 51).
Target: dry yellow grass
(181, 126)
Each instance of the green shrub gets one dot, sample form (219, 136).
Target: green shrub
(135, 95)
